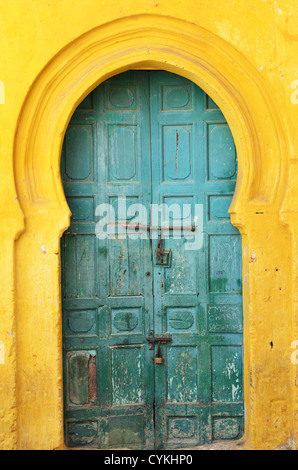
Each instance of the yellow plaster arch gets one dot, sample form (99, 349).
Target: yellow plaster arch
(154, 42)
(147, 41)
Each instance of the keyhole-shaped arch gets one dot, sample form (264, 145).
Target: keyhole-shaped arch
(144, 41)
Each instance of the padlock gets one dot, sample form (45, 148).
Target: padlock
(158, 357)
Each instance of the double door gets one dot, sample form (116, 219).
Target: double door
(152, 318)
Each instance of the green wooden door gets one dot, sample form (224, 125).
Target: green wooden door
(151, 140)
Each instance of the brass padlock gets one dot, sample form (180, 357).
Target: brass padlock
(158, 357)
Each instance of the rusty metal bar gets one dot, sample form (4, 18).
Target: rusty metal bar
(192, 228)
(159, 339)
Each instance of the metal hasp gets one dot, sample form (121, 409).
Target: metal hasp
(159, 339)
(162, 257)
(158, 359)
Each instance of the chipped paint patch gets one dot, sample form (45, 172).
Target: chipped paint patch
(253, 257)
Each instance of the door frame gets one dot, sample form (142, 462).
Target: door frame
(174, 45)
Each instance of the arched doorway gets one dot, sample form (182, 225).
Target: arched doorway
(149, 41)
(152, 319)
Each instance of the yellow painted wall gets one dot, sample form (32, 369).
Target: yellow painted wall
(244, 54)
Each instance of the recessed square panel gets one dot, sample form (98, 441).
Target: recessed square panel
(126, 430)
(80, 322)
(177, 97)
(125, 207)
(120, 97)
(79, 153)
(82, 377)
(82, 208)
(182, 427)
(182, 374)
(177, 152)
(127, 374)
(227, 427)
(181, 277)
(221, 153)
(125, 267)
(122, 152)
(178, 210)
(225, 318)
(218, 206)
(224, 264)
(181, 319)
(226, 362)
(126, 320)
(79, 273)
(82, 433)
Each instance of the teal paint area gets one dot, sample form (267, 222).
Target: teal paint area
(152, 331)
